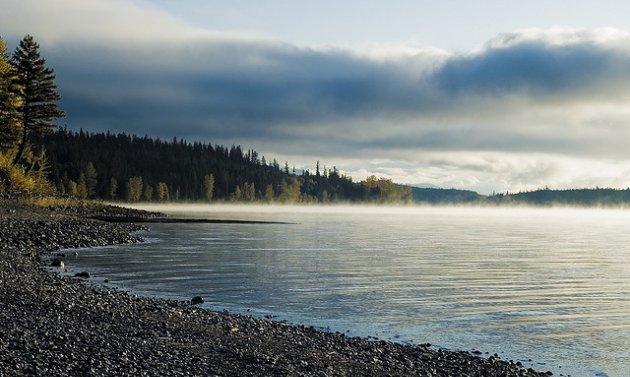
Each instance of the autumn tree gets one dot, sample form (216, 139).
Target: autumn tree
(38, 95)
(407, 195)
(134, 189)
(237, 194)
(72, 189)
(208, 186)
(387, 190)
(148, 192)
(249, 192)
(290, 192)
(268, 195)
(162, 192)
(371, 182)
(325, 196)
(82, 190)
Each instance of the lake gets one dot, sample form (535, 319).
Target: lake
(547, 287)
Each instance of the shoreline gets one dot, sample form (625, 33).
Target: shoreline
(180, 220)
(57, 325)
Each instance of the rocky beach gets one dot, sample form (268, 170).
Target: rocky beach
(54, 325)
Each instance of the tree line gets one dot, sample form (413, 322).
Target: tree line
(120, 166)
(606, 197)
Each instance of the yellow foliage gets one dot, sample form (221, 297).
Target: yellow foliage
(52, 201)
(14, 179)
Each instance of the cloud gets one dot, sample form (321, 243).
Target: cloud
(547, 65)
(270, 84)
(112, 21)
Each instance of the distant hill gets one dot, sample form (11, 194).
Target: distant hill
(444, 196)
(606, 197)
(597, 197)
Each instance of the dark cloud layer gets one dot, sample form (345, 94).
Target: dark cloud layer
(231, 90)
(535, 68)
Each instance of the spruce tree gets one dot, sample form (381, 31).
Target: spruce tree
(91, 179)
(9, 102)
(38, 95)
(113, 188)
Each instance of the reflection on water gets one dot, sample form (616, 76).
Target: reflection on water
(548, 285)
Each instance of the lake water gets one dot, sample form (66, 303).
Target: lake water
(548, 285)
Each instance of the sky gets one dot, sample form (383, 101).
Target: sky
(491, 96)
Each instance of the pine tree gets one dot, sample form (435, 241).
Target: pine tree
(38, 96)
(91, 179)
(113, 188)
(9, 102)
(325, 196)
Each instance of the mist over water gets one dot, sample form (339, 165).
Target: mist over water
(548, 285)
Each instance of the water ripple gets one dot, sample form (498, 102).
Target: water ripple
(552, 286)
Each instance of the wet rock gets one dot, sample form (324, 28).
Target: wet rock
(196, 300)
(82, 274)
(57, 263)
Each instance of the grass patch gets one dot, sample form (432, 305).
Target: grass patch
(64, 203)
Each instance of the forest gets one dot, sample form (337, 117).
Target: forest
(131, 168)
(595, 197)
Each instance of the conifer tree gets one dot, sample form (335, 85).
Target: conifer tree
(9, 101)
(113, 188)
(38, 93)
(91, 179)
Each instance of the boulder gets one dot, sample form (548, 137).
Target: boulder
(57, 263)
